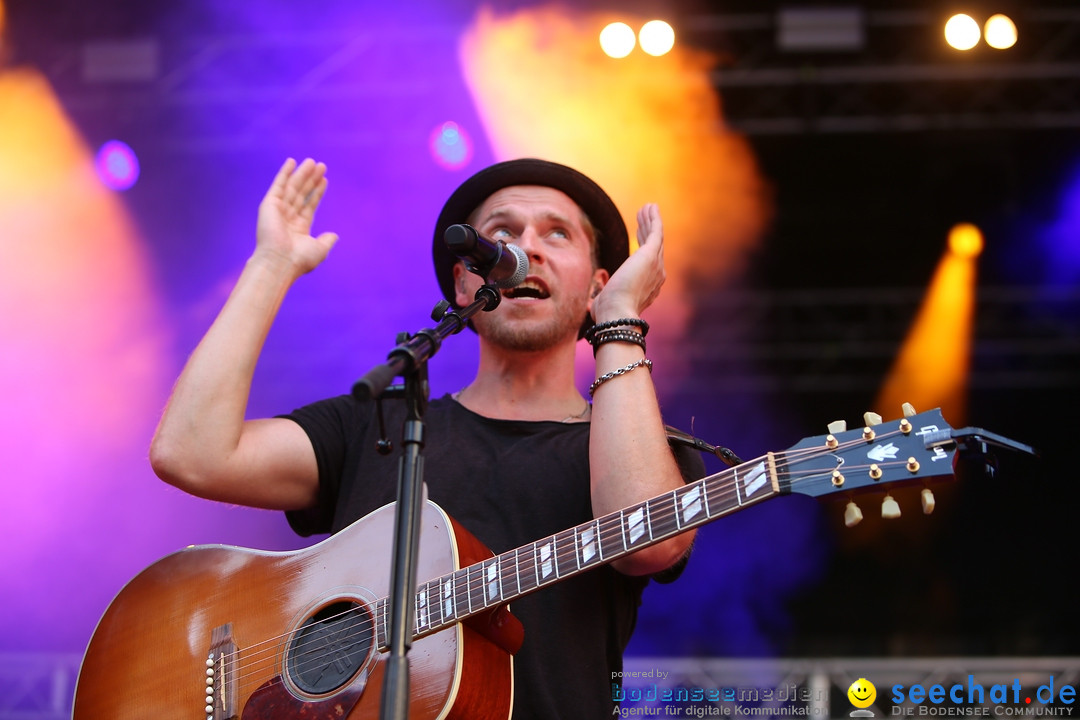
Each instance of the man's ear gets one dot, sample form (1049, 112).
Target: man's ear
(461, 298)
(600, 278)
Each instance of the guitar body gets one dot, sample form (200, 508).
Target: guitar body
(215, 632)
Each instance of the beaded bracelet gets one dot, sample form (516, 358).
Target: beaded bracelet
(618, 335)
(621, 371)
(621, 322)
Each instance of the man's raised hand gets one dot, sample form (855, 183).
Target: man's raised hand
(287, 212)
(637, 282)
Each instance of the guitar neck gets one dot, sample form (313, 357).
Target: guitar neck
(498, 580)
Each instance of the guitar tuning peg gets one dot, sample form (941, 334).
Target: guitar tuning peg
(927, 498)
(837, 426)
(909, 410)
(871, 418)
(852, 515)
(890, 510)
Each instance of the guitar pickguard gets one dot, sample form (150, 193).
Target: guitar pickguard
(273, 701)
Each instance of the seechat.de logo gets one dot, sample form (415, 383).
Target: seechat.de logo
(862, 694)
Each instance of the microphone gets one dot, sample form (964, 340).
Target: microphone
(502, 265)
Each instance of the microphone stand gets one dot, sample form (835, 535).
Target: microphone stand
(408, 360)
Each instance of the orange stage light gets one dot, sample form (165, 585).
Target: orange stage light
(647, 129)
(931, 369)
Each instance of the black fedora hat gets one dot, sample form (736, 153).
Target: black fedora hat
(612, 240)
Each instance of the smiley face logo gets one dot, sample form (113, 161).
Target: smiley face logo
(862, 693)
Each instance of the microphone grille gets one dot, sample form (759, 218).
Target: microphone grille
(520, 271)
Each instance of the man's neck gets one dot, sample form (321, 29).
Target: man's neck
(514, 385)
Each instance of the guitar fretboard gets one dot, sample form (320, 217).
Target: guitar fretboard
(482, 586)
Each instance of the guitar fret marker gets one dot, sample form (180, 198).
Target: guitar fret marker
(691, 503)
(587, 541)
(421, 609)
(493, 580)
(448, 598)
(635, 527)
(546, 566)
(755, 480)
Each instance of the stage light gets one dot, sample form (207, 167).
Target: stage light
(1058, 241)
(1000, 32)
(451, 147)
(962, 32)
(931, 368)
(617, 40)
(966, 240)
(117, 165)
(656, 37)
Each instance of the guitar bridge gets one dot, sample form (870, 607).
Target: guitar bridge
(220, 670)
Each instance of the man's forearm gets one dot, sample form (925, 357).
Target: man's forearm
(629, 456)
(203, 420)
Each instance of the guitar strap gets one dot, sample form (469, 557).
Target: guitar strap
(678, 437)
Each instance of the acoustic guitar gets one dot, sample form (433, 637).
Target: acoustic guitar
(216, 632)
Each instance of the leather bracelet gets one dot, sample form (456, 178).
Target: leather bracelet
(618, 335)
(646, 362)
(621, 322)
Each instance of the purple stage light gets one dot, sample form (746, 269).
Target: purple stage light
(1061, 239)
(117, 165)
(451, 146)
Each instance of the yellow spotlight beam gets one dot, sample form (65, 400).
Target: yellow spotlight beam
(647, 129)
(931, 369)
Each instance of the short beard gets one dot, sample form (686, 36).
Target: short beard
(531, 337)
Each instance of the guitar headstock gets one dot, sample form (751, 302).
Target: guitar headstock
(913, 450)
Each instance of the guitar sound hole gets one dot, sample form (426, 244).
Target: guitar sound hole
(330, 647)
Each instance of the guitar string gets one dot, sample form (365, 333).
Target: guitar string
(469, 573)
(463, 592)
(608, 527)
(471, 587)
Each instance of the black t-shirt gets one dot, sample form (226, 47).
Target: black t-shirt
(509, 483)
